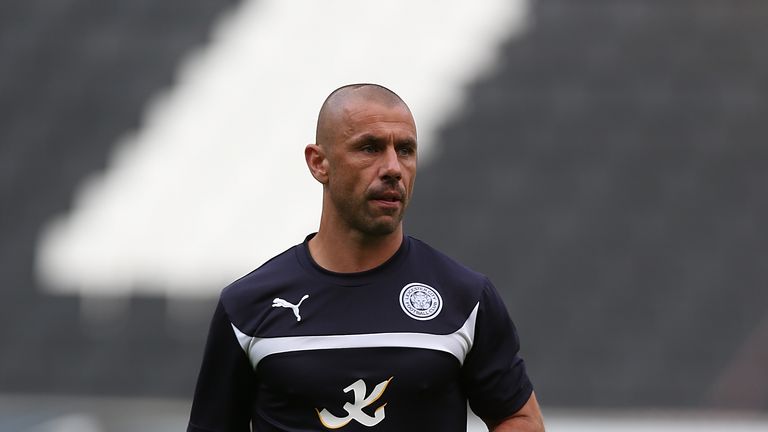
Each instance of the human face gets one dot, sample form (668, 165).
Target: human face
(372, 167)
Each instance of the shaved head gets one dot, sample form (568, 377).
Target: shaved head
(365, 157)
(336, 104)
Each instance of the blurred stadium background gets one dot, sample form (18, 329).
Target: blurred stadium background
(603, 161)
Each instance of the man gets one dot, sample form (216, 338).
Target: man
(361, 327)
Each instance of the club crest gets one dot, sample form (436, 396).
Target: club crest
(420, 301)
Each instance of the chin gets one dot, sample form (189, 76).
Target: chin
(381, 228)
(376, 230)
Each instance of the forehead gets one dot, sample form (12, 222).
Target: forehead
(361, 116)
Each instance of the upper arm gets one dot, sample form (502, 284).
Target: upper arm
(495, 377)
(526, 419)
(224, 390)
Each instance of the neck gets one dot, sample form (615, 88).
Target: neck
(352, 251)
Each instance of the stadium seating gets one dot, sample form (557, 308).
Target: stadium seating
(608, 176)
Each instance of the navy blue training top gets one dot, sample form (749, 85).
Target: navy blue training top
(401, 347)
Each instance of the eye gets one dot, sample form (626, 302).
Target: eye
(369, 148)
(406, 150)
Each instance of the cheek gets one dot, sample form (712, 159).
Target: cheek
(347, 182)
(409, 176)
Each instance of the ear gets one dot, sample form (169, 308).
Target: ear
(317, 162)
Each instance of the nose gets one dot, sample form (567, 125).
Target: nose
(390, 168)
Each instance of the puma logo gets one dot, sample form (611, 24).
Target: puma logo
(278, 302)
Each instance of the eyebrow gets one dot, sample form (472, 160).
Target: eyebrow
(369, 138)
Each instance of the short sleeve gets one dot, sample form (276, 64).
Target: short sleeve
(223, 396)
(493, 375)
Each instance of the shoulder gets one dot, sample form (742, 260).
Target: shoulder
(256, 289)
(441, 263)
(458, 284)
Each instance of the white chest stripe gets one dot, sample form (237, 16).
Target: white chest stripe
(457, 343)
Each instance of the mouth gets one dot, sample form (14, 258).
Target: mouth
(390, 199)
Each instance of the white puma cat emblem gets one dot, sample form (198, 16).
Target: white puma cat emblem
(278, 302)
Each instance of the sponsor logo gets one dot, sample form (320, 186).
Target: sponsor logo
(355, 410)
(278, 302)
(420, 301)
